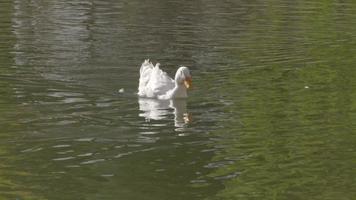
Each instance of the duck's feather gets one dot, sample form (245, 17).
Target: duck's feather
(153, 81)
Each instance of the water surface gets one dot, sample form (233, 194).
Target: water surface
(271, 114)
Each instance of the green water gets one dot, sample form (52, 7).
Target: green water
(271, 112)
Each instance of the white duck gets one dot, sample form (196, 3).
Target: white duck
(155, 83)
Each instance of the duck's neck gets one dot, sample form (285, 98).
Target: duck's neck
(179, 91)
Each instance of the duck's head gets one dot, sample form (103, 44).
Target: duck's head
(183, 77)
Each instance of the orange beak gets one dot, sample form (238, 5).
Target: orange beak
(188, 82)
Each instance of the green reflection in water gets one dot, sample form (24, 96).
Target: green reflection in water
(276, 78)
(9, 186)
(293, 121)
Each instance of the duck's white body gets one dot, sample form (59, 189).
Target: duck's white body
(155, 83)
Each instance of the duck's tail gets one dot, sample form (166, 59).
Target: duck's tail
(145, 71)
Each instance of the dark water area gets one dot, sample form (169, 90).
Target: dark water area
(271, 114)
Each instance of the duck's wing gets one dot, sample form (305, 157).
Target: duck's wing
(159, 83)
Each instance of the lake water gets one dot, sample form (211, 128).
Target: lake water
(271, 114)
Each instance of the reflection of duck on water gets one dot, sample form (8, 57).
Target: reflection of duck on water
(154, 109)
(181, 115)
